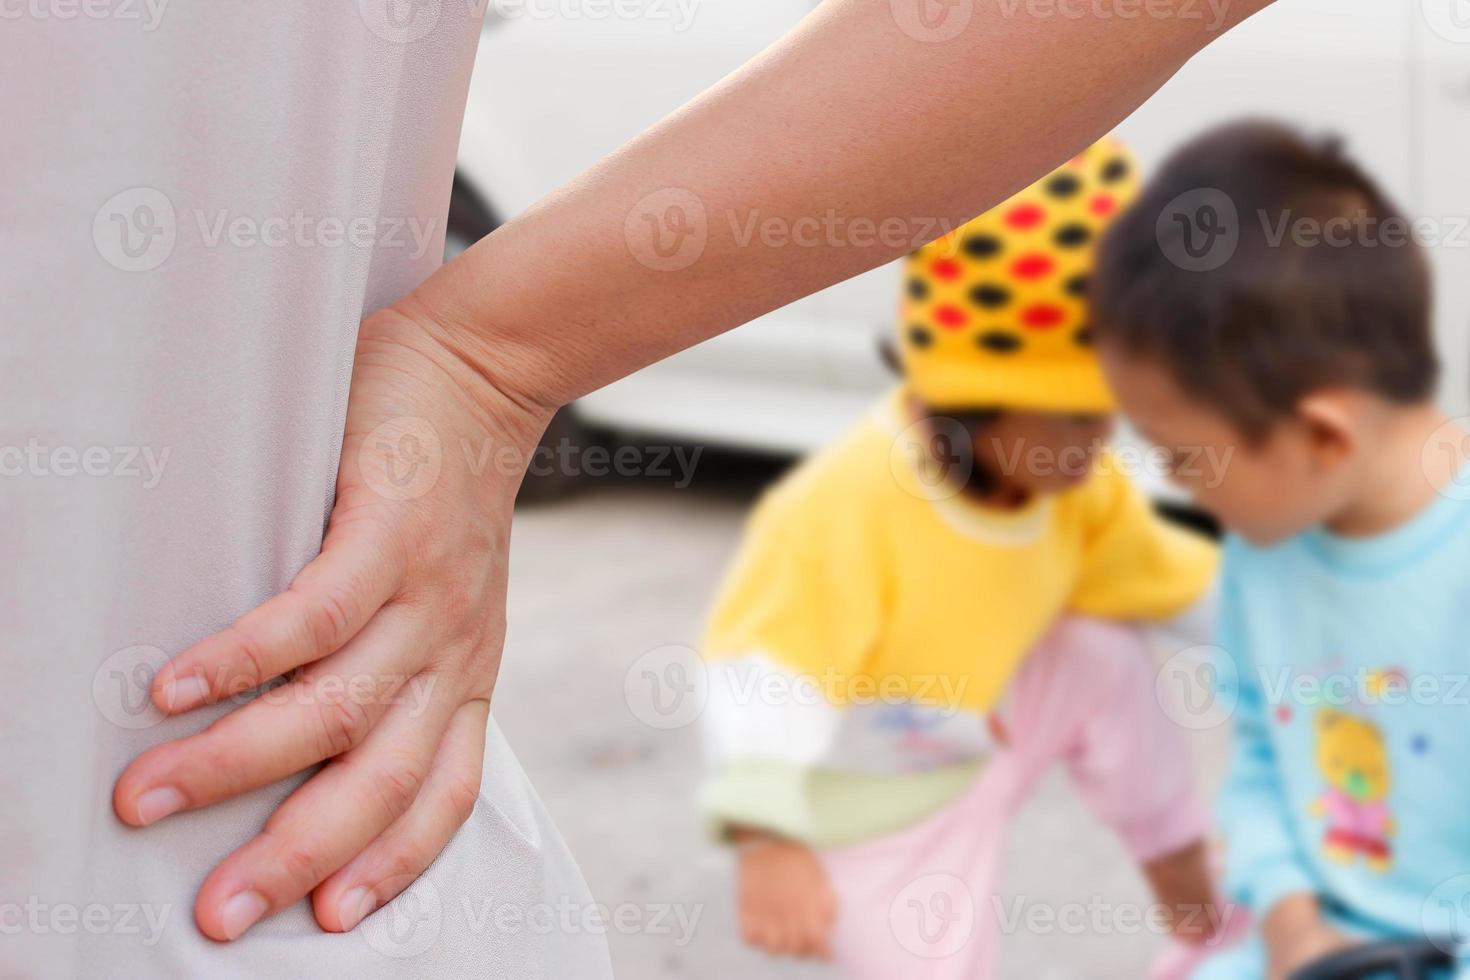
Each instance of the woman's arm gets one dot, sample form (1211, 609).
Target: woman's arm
(850, 124)
(854, 118)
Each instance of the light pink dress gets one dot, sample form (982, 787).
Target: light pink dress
(199, 201)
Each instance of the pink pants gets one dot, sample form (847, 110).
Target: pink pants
(918, 904)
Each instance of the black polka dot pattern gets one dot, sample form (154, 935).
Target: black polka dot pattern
(1073, 236)
(999, 342)
(1010, 290)
(990, 297)
(981, 246)
(1063, 186)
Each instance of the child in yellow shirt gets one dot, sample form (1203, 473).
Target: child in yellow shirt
(967, 542)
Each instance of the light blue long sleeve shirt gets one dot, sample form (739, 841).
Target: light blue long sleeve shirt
(1348, 665)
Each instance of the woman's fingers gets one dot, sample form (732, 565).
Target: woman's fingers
(326, 605)
(324, 824)
(392, 862)
(323, 713)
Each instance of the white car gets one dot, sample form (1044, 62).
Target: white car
(560, 83)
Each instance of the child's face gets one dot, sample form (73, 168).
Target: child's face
(1040, 452)
(1267, 489)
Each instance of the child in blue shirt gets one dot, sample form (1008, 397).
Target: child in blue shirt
(1265, 302)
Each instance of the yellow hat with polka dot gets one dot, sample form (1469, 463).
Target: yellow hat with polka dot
(995, 313)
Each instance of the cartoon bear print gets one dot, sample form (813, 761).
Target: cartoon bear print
(1354, 761)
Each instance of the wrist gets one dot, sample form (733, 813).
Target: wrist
(488, 379)
(511, 326)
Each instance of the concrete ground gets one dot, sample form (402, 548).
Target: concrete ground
(623, 568)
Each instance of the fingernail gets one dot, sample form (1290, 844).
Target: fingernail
(158, 803)
(185, 693)
(354, 907)
(241, 911)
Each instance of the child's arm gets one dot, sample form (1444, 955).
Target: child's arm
(1265, 868)
(1136, 565)
(802, 602)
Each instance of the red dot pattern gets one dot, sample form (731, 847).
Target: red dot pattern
(946, 269)
(1043, 316)
(1025, 216)
(1022, 287)
(1033, 266)
(950, 316)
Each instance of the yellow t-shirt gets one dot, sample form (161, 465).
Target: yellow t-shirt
(870, 621)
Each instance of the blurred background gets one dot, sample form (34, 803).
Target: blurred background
(624, 531)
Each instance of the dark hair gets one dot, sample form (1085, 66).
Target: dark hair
(974, 421)
(1253, 330)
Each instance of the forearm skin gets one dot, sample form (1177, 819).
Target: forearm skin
(848, 118)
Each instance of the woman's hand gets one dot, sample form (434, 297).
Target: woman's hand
(787, 906)
(388, 643)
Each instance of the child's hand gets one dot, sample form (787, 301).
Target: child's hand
(1295, 936)
(786, 903)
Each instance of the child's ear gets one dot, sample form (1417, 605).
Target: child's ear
(1331, 419)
